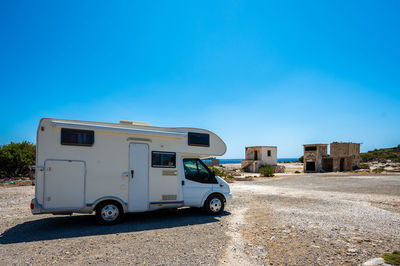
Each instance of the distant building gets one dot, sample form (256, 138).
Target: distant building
(344, 156)
(258, 156)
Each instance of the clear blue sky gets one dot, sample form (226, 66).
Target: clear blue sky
(278, 73)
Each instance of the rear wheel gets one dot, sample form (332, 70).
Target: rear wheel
(109, 212)
(214, 204)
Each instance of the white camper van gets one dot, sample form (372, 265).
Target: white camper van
(112, 169)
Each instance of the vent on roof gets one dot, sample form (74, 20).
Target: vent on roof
(134, 123)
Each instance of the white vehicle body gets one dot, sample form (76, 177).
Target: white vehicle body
(79, 164)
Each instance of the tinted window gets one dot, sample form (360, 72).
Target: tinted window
(190, 167)
(312, 148)
(197, 171)
(163, 159)
(77, 137)
(198, 139)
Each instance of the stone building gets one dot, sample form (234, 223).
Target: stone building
(313, 154)
(344, 156)
(258, 156)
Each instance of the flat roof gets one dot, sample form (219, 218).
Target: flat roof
(340, 142)
(319, 144)
(261, 147)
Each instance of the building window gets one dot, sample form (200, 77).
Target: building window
(269, 153)
(198, 139)
(77, 137)
(256, 155)
(162, 159)
(312, 148)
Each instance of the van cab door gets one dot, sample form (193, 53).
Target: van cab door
(198, 182)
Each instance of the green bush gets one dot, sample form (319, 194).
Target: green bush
(297, 172)
(392, 258)
(267, 170)
(379, 170)
(15, 159)
(301, 159)
(364, 166)
(218, 172)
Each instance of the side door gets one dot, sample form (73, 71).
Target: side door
(138, 198)
(198, 182)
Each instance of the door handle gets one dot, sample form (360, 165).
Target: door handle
(132, 173)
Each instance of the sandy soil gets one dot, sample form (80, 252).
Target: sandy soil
(290, 169)
(300, 219)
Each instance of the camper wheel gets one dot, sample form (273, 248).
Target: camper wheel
(109, 212)
(214, 204)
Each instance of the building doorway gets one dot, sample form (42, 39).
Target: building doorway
(255, 155)
(341, 164)
(310, 166)
(327, 164)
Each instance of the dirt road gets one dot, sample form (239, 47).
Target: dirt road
(302, 219)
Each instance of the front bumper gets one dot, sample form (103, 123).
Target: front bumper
(228, 197)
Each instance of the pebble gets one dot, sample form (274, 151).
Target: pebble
(374, 262)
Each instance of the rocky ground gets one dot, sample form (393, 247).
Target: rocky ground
(301, 219)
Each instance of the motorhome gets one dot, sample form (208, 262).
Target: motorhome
(116, 168)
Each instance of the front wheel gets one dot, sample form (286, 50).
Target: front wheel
(109, 212)
(214, 204)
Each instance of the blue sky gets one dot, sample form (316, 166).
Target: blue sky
(278, 73)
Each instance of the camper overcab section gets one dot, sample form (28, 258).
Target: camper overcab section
(126, 167)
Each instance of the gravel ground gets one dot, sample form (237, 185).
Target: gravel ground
(303, 219)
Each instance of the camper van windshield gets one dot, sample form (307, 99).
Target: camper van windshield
(197, 171)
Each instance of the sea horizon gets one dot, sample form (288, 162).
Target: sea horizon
(238, 161)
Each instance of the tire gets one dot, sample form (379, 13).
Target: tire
(214, 204)
(109, 212)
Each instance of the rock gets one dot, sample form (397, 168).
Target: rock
(374, 261)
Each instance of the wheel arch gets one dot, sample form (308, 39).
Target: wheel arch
(123, 204)
(211, 194)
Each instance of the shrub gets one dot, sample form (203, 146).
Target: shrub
(392, 258)
(218, 172)
(364, 166)
(297, 172)
(15, 159)
(301, 159)
(267, 170)
(379, 170)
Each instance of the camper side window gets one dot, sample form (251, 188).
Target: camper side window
(162, 159)
(77, 137)
(197, 171)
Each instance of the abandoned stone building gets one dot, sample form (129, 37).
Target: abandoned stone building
(258, 156)
(344, 156)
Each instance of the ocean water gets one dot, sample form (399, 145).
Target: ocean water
(232, 161)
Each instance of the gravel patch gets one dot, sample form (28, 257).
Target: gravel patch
(185, 236)
(321, 219)
(311, 219)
